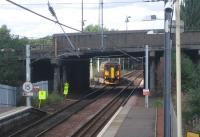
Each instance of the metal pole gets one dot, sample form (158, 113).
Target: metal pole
(178, 71)
(126, 25)
(28, 72)
(123, 64)
(91, 69)
(146, 74)
(102, 44)
(97, 64)
(167, 70)
(82, 16)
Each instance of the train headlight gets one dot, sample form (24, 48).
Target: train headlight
(117, 73)
(106, 73)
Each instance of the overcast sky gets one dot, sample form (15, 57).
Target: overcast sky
(24, 23)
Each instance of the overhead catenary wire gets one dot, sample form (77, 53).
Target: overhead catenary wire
(54, 15)
(85, 3)
(42, 15)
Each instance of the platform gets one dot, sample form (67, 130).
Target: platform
(5, 108)
(132, 120)
(9, 111)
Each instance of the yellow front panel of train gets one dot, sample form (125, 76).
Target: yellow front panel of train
(106, 73)
(190, 134)
(112, 75)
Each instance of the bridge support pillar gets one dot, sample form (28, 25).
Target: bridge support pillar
(152, 71)
(64, 74)
(56, 76)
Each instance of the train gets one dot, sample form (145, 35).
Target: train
(109, 73)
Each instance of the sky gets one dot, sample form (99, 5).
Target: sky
(24, 23)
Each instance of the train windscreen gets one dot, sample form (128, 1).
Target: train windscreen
(107, 67)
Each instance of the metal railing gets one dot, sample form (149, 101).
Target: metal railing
(7, 95)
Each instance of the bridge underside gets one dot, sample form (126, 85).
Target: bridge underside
(67, 66)
(75, 71)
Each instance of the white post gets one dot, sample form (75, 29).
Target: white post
(28, 72)
(91, 69)
(178, 71)
(146, 74)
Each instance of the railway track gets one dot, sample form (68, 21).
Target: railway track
(94, 126)
(45, 125)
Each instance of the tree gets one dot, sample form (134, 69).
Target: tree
(190, 14)
(95, 28)
(11, 58)
(48, 40)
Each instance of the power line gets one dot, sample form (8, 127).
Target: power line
(42, 15)
(87, 3)
(65, 34)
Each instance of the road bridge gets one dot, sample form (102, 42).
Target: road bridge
(59, 64)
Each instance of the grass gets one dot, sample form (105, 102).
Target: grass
(52, 98)
(158, 103)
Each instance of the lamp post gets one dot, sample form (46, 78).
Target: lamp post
(126, 21)
(167, 67)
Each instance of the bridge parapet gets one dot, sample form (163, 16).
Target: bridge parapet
(129, 41)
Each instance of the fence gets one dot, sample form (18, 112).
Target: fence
(42, 85)
(173, 121)
(8, 95)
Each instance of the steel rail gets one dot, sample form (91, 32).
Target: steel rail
(83, 131)
(47, 118)
(61, 121)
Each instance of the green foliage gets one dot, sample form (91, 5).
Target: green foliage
(190, 86)
(158, 103)
(11, 64)
(189, 71)
(48, 40)
(54, 98)
(95, 28)
(188, 74)
(190, 14)
(194, 100)
(12, 48)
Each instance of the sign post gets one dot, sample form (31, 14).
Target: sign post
(146, 75)
(27, 85)
(146, 92)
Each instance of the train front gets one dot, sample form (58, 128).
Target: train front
(111, 73)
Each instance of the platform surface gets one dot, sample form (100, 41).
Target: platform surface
(4, 108)
(8, 111)
(132, 120)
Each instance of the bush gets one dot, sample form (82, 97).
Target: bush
(158, 103)
(54, 98)
(194, 100)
